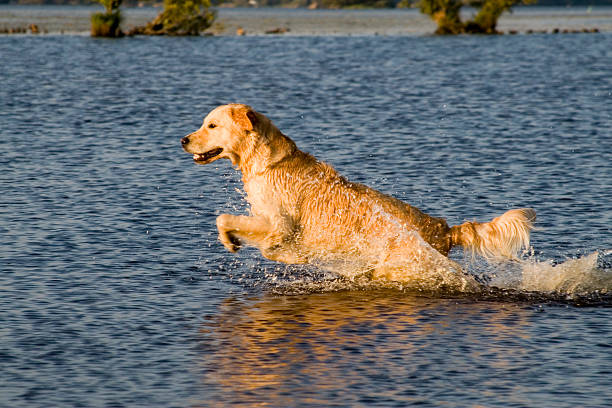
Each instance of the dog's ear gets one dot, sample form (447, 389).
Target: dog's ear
(252, 118)
(245, 117)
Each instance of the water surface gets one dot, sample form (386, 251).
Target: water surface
(115, 292)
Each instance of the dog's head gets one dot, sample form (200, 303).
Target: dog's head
(227, 132)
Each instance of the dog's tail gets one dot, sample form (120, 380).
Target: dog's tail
(503, 237)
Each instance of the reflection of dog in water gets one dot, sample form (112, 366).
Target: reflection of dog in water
(303, 211)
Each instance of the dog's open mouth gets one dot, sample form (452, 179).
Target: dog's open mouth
(202, 158)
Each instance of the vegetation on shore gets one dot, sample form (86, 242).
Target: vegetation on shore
(307, 3)
(179, 17)
(107, 24)
(447, 14)
(193, 17)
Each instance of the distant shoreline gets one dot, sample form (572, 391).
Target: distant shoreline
(55, 19)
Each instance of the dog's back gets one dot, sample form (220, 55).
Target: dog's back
(331, 215)
(330, 212)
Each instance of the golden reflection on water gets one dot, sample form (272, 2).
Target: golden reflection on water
(276, 349)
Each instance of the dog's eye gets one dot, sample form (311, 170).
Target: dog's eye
(212, 126)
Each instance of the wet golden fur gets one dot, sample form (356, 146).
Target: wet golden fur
(303, 211)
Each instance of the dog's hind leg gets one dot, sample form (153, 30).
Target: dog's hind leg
(408, 258)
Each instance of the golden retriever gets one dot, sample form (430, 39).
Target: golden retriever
(303, 211)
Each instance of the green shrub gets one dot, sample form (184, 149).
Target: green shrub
(180, 17)
(446, 14)
(485, 21)
(106, 24)
(110, 5)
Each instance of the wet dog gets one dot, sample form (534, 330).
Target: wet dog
(303, 211)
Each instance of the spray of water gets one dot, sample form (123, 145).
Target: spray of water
(589, 274)
(425, 270)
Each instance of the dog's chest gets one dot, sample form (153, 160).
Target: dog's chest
(263, 198)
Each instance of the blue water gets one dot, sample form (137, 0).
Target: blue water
(114, 291)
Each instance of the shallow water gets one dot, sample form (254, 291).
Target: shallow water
(115, 291)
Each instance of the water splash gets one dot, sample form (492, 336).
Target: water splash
(581, 281)
(581, 276)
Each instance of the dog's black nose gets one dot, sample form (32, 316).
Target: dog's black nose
(185, 140)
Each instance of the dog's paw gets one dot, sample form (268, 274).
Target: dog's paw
(231, 242)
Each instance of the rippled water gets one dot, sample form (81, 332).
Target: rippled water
(115, 292)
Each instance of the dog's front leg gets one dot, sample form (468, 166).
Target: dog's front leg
(236, 229)
(273, 242)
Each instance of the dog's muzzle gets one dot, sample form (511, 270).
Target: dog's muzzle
(203, 158)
